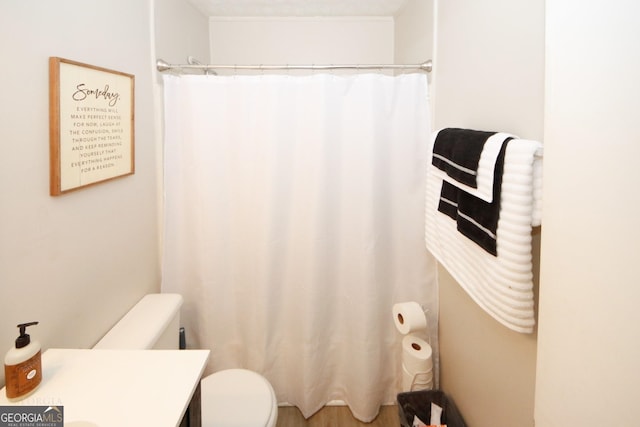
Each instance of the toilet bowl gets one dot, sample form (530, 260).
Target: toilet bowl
(238, 398)
(229, 398)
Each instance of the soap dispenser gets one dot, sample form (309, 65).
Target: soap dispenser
(23, 365)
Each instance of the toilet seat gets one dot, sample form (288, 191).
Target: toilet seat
(237, 398)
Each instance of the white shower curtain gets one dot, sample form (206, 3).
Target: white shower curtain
(294, 220)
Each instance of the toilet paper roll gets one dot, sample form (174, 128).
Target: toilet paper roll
(409, 317)
(412, 382)
(407, 381)
(420, 377)
(417, 355)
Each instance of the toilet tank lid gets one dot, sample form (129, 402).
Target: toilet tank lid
(141, 327)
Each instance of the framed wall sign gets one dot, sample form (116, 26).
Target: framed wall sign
(91, 125)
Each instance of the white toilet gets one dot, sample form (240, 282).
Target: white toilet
(230, 398)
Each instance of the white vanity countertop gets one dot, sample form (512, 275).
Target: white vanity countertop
(118, 388)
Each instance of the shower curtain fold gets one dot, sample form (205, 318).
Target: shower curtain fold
(293, 221)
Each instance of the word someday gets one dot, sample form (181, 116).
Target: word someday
(82, 93)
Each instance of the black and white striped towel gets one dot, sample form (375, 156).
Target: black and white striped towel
(475, 218)
(466, 158)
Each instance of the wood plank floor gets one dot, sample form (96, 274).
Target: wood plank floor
(335, 416)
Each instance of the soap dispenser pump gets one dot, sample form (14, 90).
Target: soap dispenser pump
(23, 365)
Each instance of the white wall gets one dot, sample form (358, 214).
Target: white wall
(488, 75)
(491, 65)
(180, 31)
(76, 262)
(366, 40)
(414, 32)
(589, 333)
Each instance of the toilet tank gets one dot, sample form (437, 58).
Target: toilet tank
(153, 323)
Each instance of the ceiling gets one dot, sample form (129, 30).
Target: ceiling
(298, 7)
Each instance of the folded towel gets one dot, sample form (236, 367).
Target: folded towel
(457, 152)
(502, 285)
(475, 218)
(489, 149)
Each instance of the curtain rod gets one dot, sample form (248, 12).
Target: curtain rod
(165, 66)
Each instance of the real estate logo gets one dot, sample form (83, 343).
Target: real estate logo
(31, 416)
